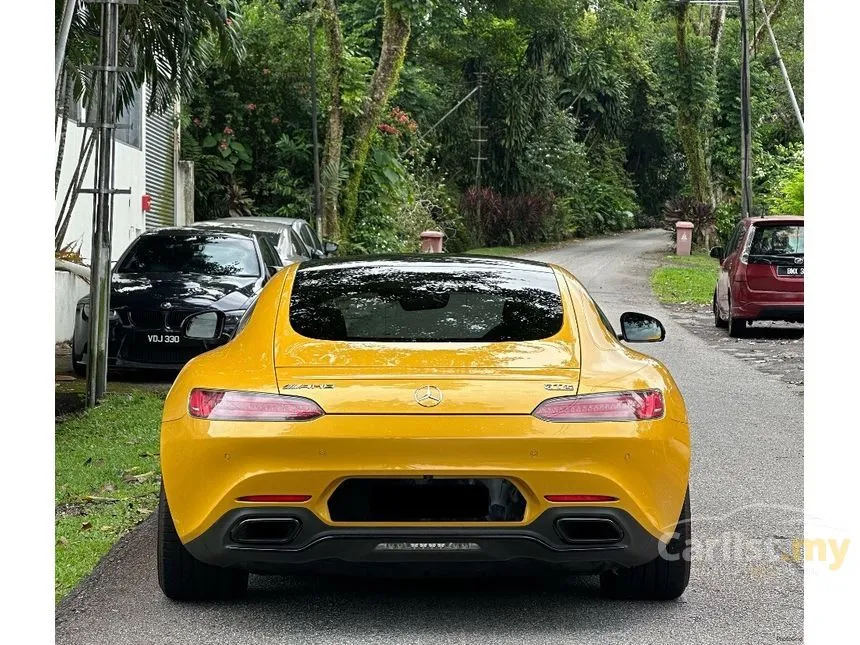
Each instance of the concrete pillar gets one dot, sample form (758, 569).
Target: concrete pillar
(185, 193)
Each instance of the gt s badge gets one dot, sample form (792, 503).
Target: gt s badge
(559, 387)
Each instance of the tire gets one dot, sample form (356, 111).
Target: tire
(79, 369)
(660, 579)
(718, 321)
(182, 577)
(737, 326)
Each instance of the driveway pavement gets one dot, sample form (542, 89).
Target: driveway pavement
(746, 490)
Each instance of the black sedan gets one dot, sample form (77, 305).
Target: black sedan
(162, 282)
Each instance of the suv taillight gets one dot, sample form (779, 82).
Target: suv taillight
(634, 405)
(231, 405)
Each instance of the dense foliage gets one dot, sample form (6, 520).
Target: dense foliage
(592, 116)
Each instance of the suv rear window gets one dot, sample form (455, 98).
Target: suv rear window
(771, 240)
(424, 301)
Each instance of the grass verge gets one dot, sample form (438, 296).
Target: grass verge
(107, 480)
(685, 279)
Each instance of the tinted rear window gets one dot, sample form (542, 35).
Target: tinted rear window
(210, 254)
(415, 301)
(771, 240)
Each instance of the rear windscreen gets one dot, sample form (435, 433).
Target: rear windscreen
(431, 302)
(776, 240)
(206, 253)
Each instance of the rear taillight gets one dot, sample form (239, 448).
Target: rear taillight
(228, 405)
(638, 405)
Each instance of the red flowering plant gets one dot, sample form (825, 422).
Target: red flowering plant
(398, 123)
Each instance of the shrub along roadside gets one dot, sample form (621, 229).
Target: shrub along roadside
(685, 279)
(107, 480)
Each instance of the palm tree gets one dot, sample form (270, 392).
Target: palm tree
(162, 42)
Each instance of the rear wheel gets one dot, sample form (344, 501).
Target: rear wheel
(737, 326)
(718, 320)
(664, 578)
(182, 577)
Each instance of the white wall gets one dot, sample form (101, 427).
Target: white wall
(128, 217)
(68, 289)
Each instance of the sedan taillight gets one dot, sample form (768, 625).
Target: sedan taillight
(230, 405)
(636, 405)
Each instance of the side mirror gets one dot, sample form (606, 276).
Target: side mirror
(717, 252)
(641, 328)
(203, 326)
(330, 247)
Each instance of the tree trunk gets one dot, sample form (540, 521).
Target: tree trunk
(718, 22)
(333, 145)
(689, 124)
(761, 32)
(65, 216)
(395, 36)
(63, 100)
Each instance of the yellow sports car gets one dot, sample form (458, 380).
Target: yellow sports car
(450, 412)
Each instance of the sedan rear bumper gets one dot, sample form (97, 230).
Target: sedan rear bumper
(291, 539)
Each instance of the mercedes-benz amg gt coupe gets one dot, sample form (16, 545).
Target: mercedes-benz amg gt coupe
(425, 412)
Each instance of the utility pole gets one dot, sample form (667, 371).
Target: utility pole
(479, 140)
(104, 124)
(746, 121)
(318, 208)
(782, 69)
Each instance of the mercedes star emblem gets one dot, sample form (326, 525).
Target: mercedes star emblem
(428, 396)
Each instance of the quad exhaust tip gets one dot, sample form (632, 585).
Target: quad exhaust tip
(265, 530)
(591, 531)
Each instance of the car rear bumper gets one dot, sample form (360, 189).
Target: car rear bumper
(766, 305)
(312, 544)
(209, 466)
(790, 312)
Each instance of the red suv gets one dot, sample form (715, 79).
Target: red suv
(761, 273)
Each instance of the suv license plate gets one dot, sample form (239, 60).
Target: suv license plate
(791, 272)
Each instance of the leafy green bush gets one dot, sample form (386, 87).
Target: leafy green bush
(728, 215)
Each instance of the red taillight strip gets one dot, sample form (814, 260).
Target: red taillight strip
(632, 405)
(232, 405)
(562, 499)
(291, 499)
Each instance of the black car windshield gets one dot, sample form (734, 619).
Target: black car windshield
(210, 254)
(777, 240)
(416, 301)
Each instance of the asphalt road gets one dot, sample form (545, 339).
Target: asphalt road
(746, 491)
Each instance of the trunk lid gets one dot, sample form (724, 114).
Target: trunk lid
(428, 378)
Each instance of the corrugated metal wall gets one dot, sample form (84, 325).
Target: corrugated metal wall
(160, 169)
